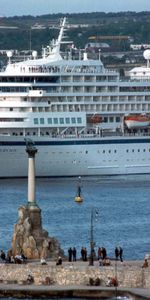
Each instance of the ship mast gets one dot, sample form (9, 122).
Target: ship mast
(56, 48)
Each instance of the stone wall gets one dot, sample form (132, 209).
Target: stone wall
(74, 274)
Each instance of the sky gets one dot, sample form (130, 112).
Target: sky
(42, 7)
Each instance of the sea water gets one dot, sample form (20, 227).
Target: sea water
(120, 206)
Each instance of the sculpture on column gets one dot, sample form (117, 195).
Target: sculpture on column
(29, 237)
(31, 150)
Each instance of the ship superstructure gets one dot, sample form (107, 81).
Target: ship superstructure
(75, 112)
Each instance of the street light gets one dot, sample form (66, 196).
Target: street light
(116, 291)
(94, 213)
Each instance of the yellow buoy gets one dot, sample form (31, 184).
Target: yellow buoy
(78, 199)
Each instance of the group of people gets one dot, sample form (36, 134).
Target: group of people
(72, 254)
(101, 253)
(17, 259)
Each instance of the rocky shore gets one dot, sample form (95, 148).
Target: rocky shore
(74, 276)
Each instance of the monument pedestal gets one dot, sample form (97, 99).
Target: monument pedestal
(31, 239)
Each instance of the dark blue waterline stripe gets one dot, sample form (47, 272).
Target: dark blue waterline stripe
(79, 142)
(104, 176)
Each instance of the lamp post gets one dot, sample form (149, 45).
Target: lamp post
(94, 213)
(116, 291)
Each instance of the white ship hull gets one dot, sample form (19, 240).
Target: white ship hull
(75, 111)
(58, 157)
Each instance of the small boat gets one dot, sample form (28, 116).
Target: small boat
(137, 121)
(79, 197)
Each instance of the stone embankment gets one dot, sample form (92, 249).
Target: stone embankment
(129, 274)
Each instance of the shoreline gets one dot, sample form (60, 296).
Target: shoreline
(43, 291)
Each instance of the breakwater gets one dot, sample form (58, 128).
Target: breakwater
(129, 274)
(72, 280)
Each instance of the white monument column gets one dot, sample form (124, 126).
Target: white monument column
(31, 150)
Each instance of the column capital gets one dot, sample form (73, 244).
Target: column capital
(31, 151)
(30, 148)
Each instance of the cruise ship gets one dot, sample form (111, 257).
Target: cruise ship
(76, 113)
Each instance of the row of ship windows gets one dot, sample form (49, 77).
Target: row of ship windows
(85, 161)
(55, 121)
(72, 120)
(127, 151)
(107, 151)
(104, 151)
(66, 78)
(80, 89)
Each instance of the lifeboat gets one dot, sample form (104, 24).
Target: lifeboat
(136, 121)
(96, 119)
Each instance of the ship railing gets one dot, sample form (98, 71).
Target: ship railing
(73, 136)
(103, 135)
(58, 69)
(139, 78)
(137, 134)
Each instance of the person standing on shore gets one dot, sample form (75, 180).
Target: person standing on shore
(70, 254)
(2, 255)
(74, 253)
(121, 254)
(145, 264)
(99, 253)
(82, 253)
(116, 253)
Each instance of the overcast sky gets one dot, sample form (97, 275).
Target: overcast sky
(39, 7)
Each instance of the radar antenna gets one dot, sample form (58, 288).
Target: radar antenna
(146, 55)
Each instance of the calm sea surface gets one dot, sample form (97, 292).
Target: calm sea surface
(122, 202)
